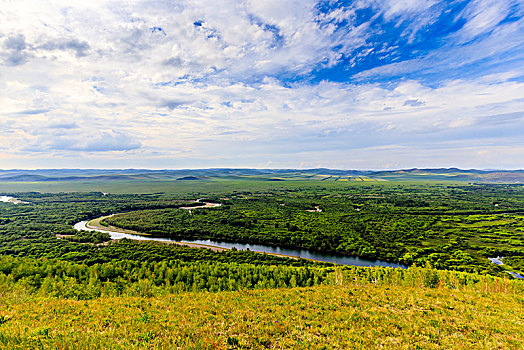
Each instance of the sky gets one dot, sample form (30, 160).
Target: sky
(366, 84)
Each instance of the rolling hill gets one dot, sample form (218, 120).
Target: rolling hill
(321, 174)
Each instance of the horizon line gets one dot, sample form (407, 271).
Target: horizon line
(255, 168)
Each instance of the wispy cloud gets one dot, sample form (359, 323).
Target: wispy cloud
(80, 48)
(205, 83)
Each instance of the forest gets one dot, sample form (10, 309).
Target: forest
(449, 226)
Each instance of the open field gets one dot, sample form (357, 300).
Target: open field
(177, 181)
(352, 316)
(210, 187)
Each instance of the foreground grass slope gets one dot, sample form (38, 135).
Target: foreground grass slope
(357, 314)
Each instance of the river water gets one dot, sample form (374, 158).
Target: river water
(516, 275)
(498, 261)
(299, 253)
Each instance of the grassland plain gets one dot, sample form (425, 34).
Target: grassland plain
(209, 186)
(354, 315)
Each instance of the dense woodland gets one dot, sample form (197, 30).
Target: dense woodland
(444, 226)
(63, 279)
(451, 227)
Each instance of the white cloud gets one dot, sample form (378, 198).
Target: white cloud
(95, 80)
(416, 13)
(482, 16)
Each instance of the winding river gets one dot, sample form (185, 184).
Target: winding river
(116, 233)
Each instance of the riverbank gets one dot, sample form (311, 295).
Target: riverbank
(498, 261)
(119, 233)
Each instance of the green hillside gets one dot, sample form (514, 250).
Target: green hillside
(147, 181)
(355, 309)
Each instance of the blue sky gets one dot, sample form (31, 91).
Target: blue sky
(267, 84)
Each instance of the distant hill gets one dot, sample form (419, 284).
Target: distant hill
(188, 178)
(320, 174)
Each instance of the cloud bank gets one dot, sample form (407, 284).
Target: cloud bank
(163, 84)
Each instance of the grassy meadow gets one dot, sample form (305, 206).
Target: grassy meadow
(353, 315)
(210, 186)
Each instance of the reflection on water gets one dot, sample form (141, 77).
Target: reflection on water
(299, 253)
(516, 275)
(498, 261)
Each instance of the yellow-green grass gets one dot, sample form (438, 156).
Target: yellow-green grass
(354, 316)
(488, 223)
(209, 186)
